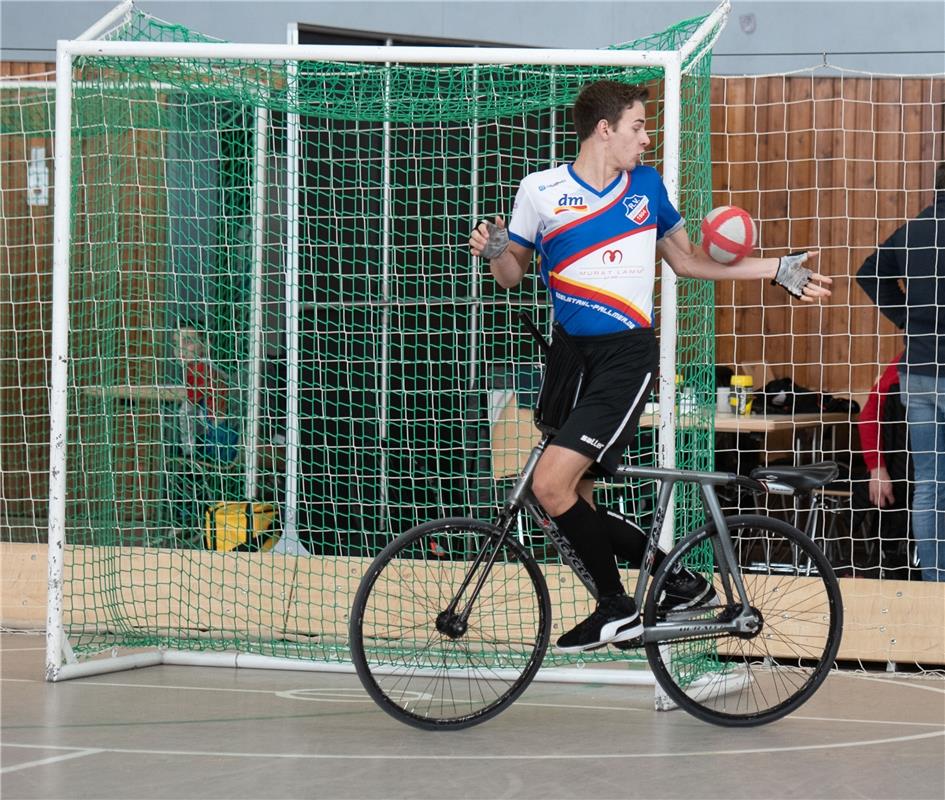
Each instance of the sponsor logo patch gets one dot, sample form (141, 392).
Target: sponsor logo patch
(592, 442)
(570, 202)
(566, 209)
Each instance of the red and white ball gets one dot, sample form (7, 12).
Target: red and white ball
(728, 234)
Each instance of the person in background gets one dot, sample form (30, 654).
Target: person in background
(205, 385)
(206, 428)
(884, 441)
(905, 277)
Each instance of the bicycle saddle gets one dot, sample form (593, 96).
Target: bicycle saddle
(805, 478)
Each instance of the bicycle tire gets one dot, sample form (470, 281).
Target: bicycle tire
(733, 680)
(423, 677)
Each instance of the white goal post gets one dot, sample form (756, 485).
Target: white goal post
(134, 587)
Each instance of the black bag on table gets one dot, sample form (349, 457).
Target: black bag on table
(783, 396)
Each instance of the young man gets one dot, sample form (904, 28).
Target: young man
(597, 225)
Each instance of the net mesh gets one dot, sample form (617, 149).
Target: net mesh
(359, 394)
(26, 121)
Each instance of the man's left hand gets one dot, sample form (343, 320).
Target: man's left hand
(798, 280)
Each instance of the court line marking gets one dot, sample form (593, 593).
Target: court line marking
(18, 649)
(800, 717)
(913, 683)
(795, 716)
(281, 693)
(42, 762)
(518, 704)
(484, 757)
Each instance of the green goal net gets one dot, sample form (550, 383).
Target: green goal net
(282, 355)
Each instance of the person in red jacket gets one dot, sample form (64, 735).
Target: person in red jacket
(871, 440)
(209, 433)
(885, 444)
(205, 386)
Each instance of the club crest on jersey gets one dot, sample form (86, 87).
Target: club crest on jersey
(638, 208)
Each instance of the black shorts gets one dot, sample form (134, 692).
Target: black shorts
(620, 371)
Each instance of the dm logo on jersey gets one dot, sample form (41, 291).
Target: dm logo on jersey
(570, 202)
(637, 208)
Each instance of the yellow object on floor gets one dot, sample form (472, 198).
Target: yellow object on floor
(234, 526)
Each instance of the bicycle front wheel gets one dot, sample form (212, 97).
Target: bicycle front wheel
(418, 654)
(742, 679)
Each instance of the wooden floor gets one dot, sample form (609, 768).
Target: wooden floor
(188, 732)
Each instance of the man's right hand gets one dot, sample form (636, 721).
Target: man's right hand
(881, 488)
(489, 240)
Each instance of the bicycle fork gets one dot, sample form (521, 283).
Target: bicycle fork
(454, 625)
(520, 497)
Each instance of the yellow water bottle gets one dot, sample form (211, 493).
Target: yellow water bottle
(741, 395)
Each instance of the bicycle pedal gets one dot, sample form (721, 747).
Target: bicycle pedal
(630, 644)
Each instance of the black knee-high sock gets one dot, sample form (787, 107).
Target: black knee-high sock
(583, 528)
(626, 539)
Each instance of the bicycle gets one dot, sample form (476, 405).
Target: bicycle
(452, 619)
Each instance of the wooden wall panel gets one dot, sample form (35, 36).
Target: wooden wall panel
(836, 164)
(284, 597)
(25, 291)
(33, 70)
(25, 304)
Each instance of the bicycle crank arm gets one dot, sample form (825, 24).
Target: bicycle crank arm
(745, 625)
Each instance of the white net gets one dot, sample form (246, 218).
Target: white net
(825, 159)
(835, 161)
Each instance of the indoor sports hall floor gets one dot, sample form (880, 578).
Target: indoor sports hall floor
(187, 732)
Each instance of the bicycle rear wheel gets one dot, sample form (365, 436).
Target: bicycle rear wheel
(750, 679)
(431, 669)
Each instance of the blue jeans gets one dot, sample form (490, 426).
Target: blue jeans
(924, 398)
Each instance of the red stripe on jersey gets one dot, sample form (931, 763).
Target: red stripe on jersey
(559, 284)
(597, 245)
(597, 213)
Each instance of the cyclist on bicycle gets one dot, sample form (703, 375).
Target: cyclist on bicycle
(597, 225)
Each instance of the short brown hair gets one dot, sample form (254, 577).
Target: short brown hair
(604, 100)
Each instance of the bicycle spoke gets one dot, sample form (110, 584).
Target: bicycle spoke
(455, 676)
(753, 677)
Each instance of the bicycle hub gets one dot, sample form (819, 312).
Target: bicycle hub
(450, 624)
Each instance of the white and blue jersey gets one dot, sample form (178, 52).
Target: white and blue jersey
(597, 249)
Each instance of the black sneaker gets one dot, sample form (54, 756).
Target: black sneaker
(686, 590)
(616, 619)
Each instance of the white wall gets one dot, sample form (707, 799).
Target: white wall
(897, 36)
